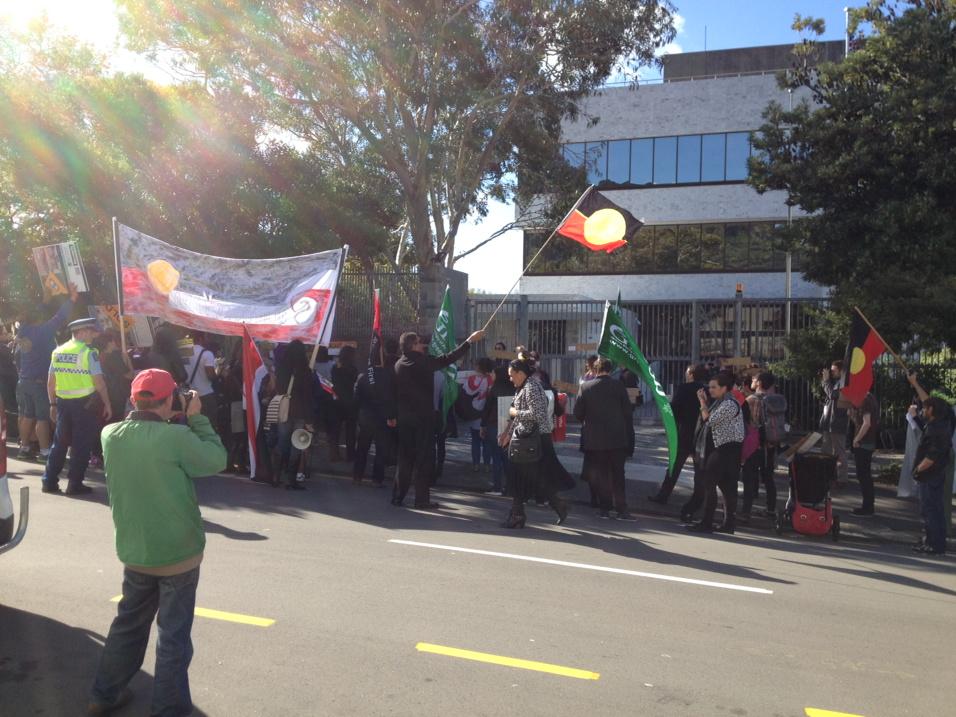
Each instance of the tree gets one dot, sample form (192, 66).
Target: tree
(79, 145)
(451, 98)
(871, 159)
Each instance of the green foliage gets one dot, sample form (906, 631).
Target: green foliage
(200, 169)
(812, 349)
(870, 156)
(452, 99)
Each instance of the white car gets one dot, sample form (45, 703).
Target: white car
(8, 539)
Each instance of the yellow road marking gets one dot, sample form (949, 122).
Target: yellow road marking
(508, 661)
(814, 712)
(226, 616)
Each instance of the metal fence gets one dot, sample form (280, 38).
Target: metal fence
(671, 334)
(399, 296)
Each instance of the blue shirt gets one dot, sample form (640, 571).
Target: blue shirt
(36, 344)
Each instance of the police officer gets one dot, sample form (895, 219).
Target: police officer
(75, 376)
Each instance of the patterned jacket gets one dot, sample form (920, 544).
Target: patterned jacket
(532, 409)
(726, 422)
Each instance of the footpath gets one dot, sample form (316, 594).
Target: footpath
(896, 520)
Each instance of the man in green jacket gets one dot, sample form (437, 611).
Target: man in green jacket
(150, 466)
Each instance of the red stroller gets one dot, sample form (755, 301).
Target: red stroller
(809, 510)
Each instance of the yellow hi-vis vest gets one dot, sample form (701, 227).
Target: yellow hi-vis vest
(71, 366)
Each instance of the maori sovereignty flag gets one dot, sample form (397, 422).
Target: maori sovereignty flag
(253, 374)
(864, 348)
(618, 345)
(598, 223)
(273, 299)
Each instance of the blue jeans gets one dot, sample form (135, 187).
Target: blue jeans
(480, 448)
(499, 462)
(174, 597)
(76, 429)
(931, 508)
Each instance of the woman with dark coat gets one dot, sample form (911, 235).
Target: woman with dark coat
(529, 414)
(344, 375)
(294, 367)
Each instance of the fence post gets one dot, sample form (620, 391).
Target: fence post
(521, 321)
(738, 323)
(695, 332)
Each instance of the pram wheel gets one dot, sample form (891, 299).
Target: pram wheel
(835, 528)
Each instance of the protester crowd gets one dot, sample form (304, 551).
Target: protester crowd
(731, 427)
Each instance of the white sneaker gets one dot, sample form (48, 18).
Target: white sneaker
(300, 477)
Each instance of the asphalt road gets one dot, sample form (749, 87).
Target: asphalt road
(755, 624)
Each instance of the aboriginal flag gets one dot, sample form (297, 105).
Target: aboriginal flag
(864, 348)
(598, 223)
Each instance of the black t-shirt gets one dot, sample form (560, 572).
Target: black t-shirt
(935, 444)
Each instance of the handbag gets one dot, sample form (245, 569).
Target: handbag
(525, 448)
(278, 410)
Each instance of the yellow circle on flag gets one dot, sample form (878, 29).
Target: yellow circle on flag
(605, 226)
(162, 275)
(857, 360)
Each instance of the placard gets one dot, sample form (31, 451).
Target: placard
(60, 265)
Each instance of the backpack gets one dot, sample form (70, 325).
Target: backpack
(773, 418)
(464, 406)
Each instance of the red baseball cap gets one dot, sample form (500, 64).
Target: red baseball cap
(158, 383)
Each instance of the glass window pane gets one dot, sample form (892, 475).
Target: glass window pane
(563, 257)
(642, 250)
(712, 166)
(779, 253)
(618, 160)
(736, 237)
(761, 247)
(596, 161)
(665, 248)
(642, 161)
(665, 160)
(688, 247)
(688, 159)
(574, 154)
(738, 152)
(712, 247)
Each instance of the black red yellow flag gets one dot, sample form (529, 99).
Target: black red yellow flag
(598, 223)
(864, 348)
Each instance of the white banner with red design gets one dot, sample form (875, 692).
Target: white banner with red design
(273, 299)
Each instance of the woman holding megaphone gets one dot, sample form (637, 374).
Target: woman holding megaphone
(294, 383)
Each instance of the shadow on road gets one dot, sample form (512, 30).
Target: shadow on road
(230, 533)
(47, 668)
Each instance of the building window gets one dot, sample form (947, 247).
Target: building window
(665, 160)
(738, 152)
(668, 249)
(574, 154)
(713, 154)
(596, 154)
(688, 159)
(619, 160)
(642, 161)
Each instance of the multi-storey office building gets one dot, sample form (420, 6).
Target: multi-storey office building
(703, 276)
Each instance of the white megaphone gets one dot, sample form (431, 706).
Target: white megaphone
(301, 439)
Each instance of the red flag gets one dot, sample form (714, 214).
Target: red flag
(864, 348)
(598, 223)
(253, 373)
(375, 355)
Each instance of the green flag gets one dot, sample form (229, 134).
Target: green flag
(618, 345)
(443, 342)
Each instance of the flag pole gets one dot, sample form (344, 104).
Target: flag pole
(525, 271)
(873, 329)
(119, 289)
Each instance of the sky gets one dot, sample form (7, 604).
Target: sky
(721, 24)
